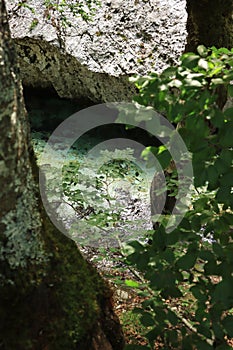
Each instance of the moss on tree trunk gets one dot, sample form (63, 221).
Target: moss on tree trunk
(50, 297)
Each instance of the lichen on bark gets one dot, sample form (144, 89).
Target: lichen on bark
(23, 242)
(51, 298)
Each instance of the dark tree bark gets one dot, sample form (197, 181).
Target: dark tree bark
(209, 23)
(50, 297)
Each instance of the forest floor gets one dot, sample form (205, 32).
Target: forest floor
(125, 299)
(110, 264)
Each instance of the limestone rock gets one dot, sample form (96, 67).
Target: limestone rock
(94, 59)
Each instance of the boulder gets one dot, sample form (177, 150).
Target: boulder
(93, 59)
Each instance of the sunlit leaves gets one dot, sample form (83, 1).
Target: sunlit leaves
(200, 249)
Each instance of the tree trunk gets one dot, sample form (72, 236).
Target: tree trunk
(209, 23)
(50, 297)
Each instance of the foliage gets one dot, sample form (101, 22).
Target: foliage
(196, 259)
(63, 8)
(60, 13)
(133, 328)
(96, 191)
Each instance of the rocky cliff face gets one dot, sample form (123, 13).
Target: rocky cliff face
(94, 59)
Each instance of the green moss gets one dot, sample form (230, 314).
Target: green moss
(53, 305)
(77, 286)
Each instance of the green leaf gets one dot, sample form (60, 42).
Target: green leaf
(227, 178)
(224, 195)
(217, 81)
(187, 261)
(201, 344)
(200, 204)
(154, 333)
(228, 113)
(224, 50)
(159, 240)
(171, 291)
(196, 223)
(223, 293)
(203, 64)
(193, 83)
(212, 177)
(227, 156)
(202, 50)
(211, 267)
(206, 255)
(131, 283)
(172, 317)
(175, 83)
(230, 90)
(218, 330)
(201, 314)
(138, 247)
(190, 60)
(168, 73)
(164, 158)
(147, 319)
(223, 347)
(204, 330)
(220, 166)
(228, 325)
(198, 293)
(225, 135)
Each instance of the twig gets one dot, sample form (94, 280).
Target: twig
(173, 308)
